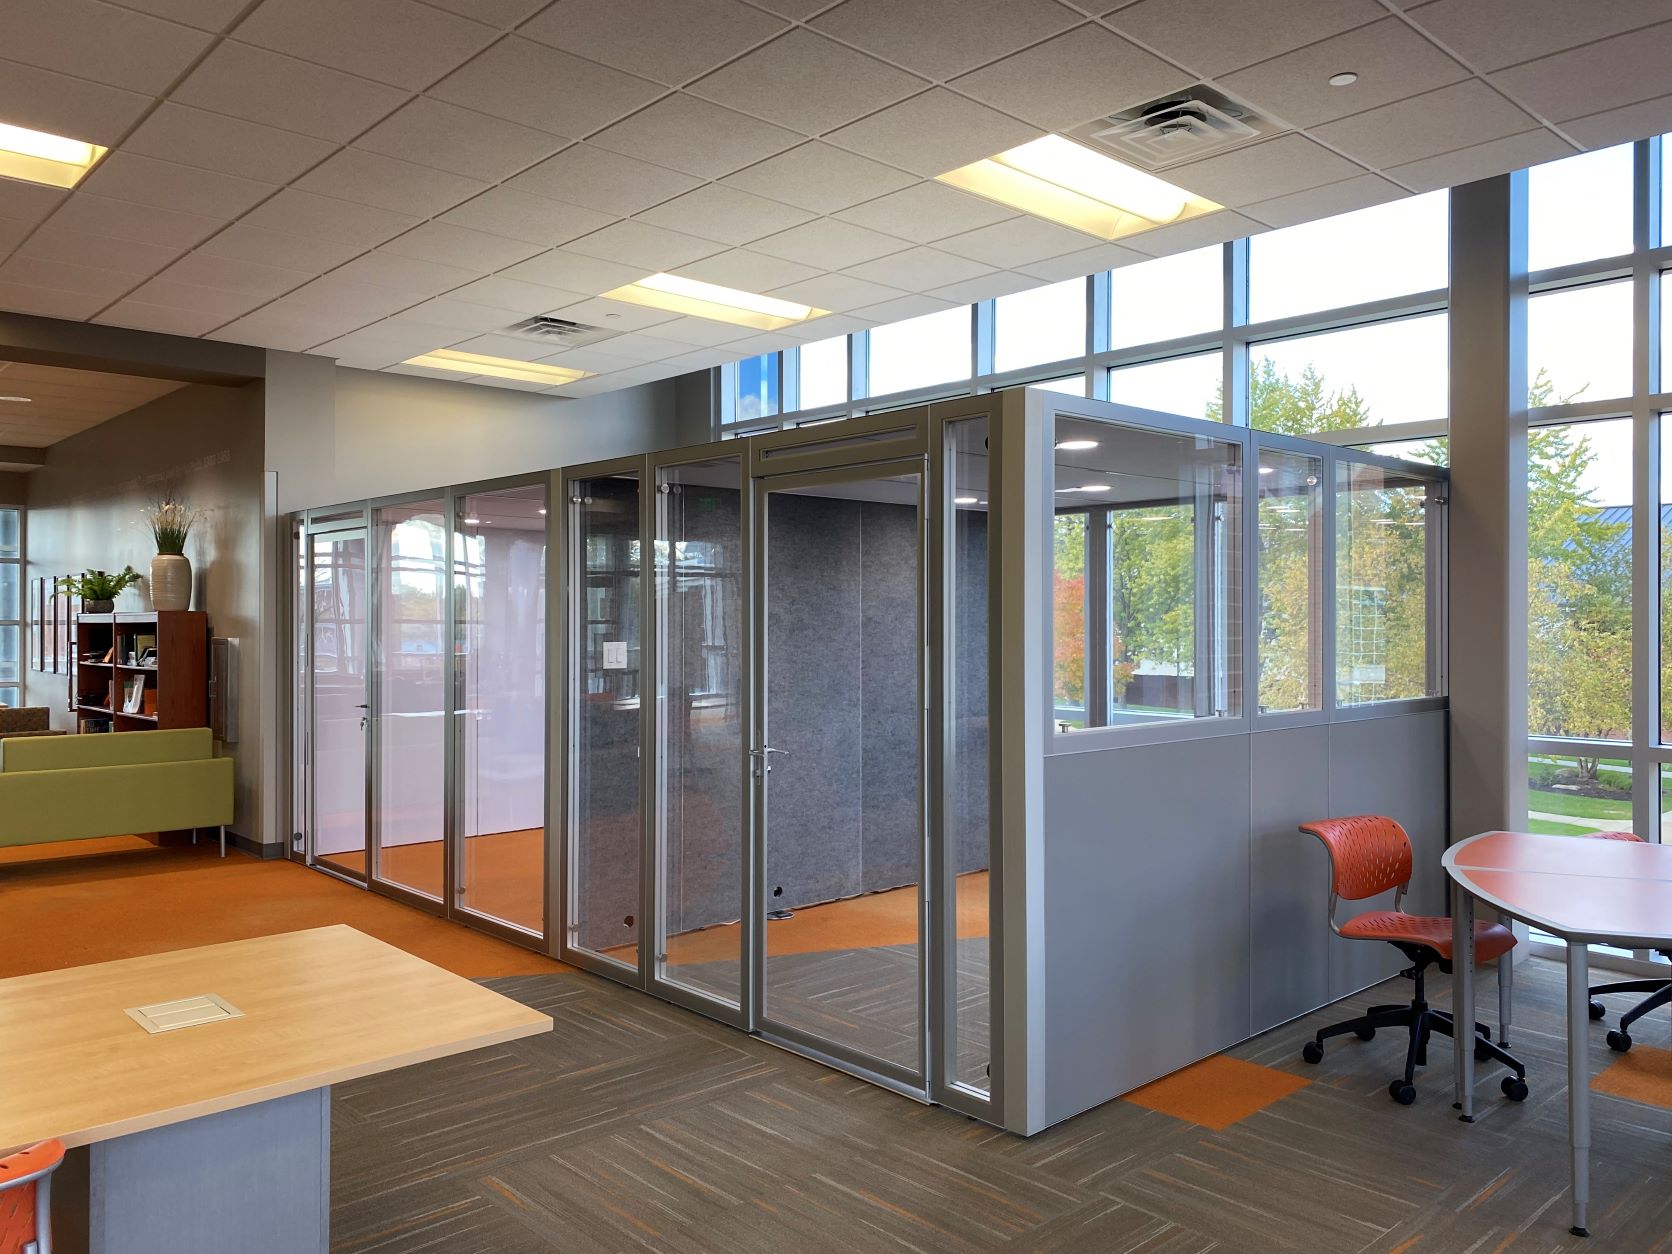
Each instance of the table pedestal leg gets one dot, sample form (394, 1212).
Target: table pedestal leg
(1463, 999)
(1579, 1080)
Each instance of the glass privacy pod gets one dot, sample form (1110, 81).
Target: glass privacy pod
(960, 747)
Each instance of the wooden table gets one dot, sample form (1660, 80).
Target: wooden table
(1587, 892)
(217, 1136)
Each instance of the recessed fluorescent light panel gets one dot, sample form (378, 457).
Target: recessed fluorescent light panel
(1057, 179)
(719, 304)
(36, 157)
(497, 367)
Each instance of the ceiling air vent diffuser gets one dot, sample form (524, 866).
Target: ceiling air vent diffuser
(560, 332)
(1184, 126)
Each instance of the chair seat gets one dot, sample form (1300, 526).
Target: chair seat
(1491, 939)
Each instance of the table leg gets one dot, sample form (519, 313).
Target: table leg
(1579, 1080)
(1463, 999)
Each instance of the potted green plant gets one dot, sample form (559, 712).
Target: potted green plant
(97, 589)
(171, 522)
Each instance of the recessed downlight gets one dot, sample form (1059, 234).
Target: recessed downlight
(21, 400)
(1344, 79)
(1076, 446)
(1085, 487)
(964, 500)
(39, 157)
(473, 522)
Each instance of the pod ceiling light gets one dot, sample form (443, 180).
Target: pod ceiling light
(497, 367)
(37, 157)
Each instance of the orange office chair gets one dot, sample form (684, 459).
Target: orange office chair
(25, 1198)
(1369, 855)
(1659, 990)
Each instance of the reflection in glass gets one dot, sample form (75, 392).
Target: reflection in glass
(1436, 452)
(920, 352)
(1072, 385)
(1579, 580)
(699, 729)
(1167, 298)
(1579, 344)
(499, 650)
(1179, 385)
(823, 373)
(1395, 371)
(1569, 796)
(1043, 324)
(1291, 548)
(10, 662)
(409, 799)
(1068, 581)
(1350, 259)
(1579, 208)
(337, 580)
(1381, 585)
(11, 532)
(968, 765)
(604, 787)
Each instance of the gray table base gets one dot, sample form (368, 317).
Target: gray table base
(256, 1179)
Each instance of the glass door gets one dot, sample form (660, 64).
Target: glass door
(339, 705)
(839, 766)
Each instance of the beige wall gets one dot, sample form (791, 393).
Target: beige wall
(85, 511)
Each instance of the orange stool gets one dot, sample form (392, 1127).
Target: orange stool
(25, 1198)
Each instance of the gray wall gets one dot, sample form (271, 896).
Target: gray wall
(205, 442)
(13, 487)
(1183, 910)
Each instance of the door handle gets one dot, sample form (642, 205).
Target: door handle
(763, 759)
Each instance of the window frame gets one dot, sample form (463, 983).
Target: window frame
(17, 618)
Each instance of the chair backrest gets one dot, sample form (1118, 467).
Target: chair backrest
(1631, 836)
(23, 1197)
(1368, 854)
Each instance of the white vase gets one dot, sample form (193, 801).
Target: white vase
(171, 582)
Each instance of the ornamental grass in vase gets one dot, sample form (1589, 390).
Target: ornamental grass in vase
(171, 572)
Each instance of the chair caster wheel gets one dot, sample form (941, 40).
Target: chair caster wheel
(1514, 1088)
(1619, 1042)
(1598, 1010)
(1312, 1052)
(1402, 1092)
(1482, 1052)
(1365, 1034)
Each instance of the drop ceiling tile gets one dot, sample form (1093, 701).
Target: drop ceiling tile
(520, 216)
(412, 278)
(515, 347)
(819, 178)
(832, 325)
(599, 360)
(522, 81)
(392, 41)
(903, 307)
(1215, 228)
(830, 244)
(65, 276)
(161, 318)
(1016, 242)
(715, 211)
(1496, 156)
(297, 212)
(1458, 116)
(1492, 34)
(1603, 75)
(574, 272)
(210, 15)
(614, 315)
(694, 136)
(167, 185)
(944, 38)
(28, 203)
(434, 133)
(386, 343)
(797, 10)
(672, 41)
(1080, 75)
(219, 303)
(840, 293)
(807, 82)
(250, 278)
(689, 331)
(214, 141)
(1614, 126)
(988, 286)
(117, 47)
(332, 295)
(61, 105)
(454, 245)
(1273, 167)
(262, 86)
(144, 224)
(1391, 60)
(462, 315)
(640, 244)
(755, 343)
(368, 178)
(1214, 38)
(933, 133)
(747, 271)
(1325, 202)
(48, 302)
(1078, 265)
(605, 181)
(925, 213)
(245, 241)
(502, 291)
(12, 233)
(918, 269)
(635, 346)
(500, 14)
(281, 325)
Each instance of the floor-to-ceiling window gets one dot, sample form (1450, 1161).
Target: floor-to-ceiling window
(11, 606)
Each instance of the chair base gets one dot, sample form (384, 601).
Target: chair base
(1660, 994)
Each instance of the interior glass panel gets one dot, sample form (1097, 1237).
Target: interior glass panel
(499, 652)
(1381, 585)
(337, 581)
(699, 730)
(1291, 549)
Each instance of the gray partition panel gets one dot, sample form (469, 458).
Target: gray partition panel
(1289, 874)
(891, 711)
(1146, 853)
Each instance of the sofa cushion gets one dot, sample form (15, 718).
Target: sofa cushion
(57, 753)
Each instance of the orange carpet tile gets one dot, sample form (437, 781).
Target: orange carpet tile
(1217, 1091)
(78, 902)
(505, 872)
(1644, 1075)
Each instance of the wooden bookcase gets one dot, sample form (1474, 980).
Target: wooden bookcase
(176, 686)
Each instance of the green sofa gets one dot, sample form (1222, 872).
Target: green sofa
(112, 784)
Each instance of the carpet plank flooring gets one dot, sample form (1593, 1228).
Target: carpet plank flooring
(637, 1126)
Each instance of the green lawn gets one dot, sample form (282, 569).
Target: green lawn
(1543, 827)
(1577, 806)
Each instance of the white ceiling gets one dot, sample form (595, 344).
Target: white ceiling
(377, 179)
